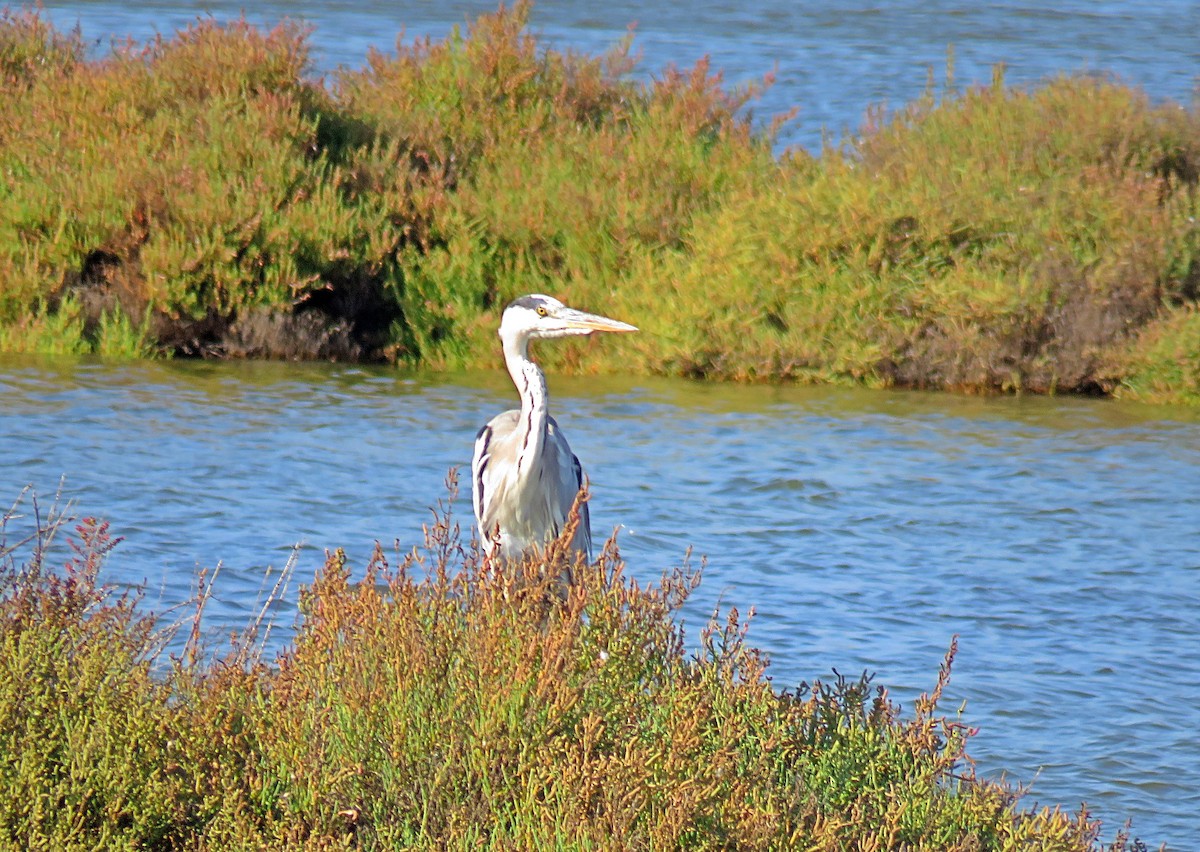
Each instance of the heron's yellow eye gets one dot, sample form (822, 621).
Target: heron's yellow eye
(541, 312)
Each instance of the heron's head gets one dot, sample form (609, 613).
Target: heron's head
(541, 317)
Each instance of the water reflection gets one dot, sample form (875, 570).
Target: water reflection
(1055, 537)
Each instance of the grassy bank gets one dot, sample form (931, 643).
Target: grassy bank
(202, 195)
(433, 704)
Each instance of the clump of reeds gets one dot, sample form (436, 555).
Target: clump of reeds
(440, 703)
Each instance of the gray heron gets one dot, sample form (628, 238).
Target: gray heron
(524, 477)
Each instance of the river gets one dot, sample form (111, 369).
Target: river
(1056, 537)
(830, 60)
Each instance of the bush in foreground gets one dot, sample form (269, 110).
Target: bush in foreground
(439, 704)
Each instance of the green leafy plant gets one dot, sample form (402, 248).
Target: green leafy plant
(442, 703)
(203, 195)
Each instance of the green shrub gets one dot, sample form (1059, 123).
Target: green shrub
(534, 170)
(1164, 366)
(83, 725)
(181, 185)
(439, 703)
(207, 193)
(999, 239)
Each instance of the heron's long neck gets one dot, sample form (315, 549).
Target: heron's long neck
(531, 385)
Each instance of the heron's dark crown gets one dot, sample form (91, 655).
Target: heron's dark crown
(530, 302)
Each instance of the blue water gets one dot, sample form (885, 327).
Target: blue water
(830, 60)
(1057, 538)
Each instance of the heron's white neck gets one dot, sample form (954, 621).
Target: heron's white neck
(531, 385)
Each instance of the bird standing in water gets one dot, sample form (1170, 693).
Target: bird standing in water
(524, 477)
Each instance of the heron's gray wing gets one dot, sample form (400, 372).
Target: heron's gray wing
(489, 441)
(568, 479)
(584, 536)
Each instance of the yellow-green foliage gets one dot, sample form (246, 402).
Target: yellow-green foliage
(537, 171)
(1000, 238)
(180, 183)
(223, 202)
(84, 726)
(443, 704)
(1165, 365)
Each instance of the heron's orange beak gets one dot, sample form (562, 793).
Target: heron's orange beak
(594, 322)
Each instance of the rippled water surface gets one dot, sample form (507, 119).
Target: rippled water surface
(1057, 538)
(830, 60)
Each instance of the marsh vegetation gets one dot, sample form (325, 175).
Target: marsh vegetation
(204, 195)
(426, 701)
